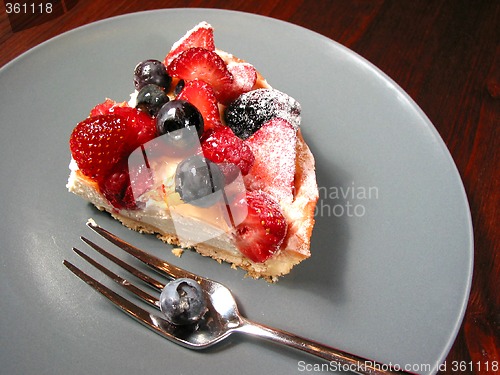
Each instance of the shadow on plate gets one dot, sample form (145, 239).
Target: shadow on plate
(322, 273)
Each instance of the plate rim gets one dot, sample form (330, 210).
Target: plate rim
(428, 123)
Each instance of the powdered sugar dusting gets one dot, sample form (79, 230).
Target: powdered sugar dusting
(274, 149)
(280, 104)
(251, 110)
(201, 33)
(244, 75)
(201, 25)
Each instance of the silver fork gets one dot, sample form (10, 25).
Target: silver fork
(222, 318)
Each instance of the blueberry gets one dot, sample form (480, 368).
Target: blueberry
(178, 114)
(253, 109)
(182, 301)
(151, 71)
(199, 181)
(151, 98)
(179, 119)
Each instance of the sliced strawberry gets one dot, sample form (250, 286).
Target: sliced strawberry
(202, 35)
(220, 145)
(244, 78)
(274, 168)
(202, 64)
(201, 95)
(104, 107)
(262, 232)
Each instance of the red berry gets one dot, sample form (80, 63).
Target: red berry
(99, 143)
(141, 124)
(262, 232)
(122, 186)
(201, 95)
(116, 188)
(202, 35)
(220, 145)
(202, 64)
(274, 168)
(244, 78)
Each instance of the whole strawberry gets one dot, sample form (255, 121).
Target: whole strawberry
(97, 144)
(100, 142)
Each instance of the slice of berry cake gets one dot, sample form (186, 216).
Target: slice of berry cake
(206, 155)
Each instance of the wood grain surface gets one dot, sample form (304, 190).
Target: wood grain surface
(444, 53)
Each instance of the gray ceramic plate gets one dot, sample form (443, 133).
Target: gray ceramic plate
(392, 248)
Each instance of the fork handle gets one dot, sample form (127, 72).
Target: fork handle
(339, 360)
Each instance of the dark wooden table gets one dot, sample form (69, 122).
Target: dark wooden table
(445, 54)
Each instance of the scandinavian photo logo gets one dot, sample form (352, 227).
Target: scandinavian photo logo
(345, 200)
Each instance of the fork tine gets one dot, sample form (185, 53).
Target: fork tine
(118, 279)
(134, 271)
(152, 321)
(157, 264)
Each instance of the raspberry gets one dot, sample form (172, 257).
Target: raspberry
(220, 145)
(121, 184)
(117, 188)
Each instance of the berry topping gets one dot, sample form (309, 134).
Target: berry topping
(251, 110)
(126, 182)
(117, 188)
(262, 232)
(100, 145)
(202, 35)
(151, 71)
(150, 99)
(97, 144)
(274, 168)
(244, 78)
(202, 64)
(178, 118)
(183, 302)
(201, 95)
(220, 145)
(199, 181)
(141, 125)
